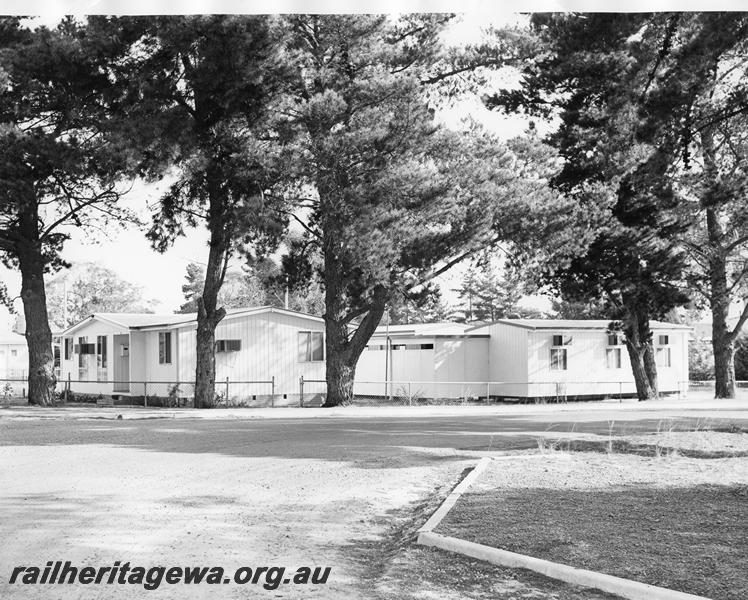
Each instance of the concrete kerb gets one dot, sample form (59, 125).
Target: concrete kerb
(626, 588)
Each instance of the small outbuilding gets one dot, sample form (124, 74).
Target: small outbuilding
(14, 356)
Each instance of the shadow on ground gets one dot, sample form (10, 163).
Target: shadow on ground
(366, 442)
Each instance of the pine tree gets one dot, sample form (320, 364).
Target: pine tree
(58, 160)
(397, 199)
(239, 290)
(597, 74)
(200, 91)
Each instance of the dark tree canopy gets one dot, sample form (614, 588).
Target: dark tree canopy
(59, 159)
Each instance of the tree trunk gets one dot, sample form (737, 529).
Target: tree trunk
(208, 313)
(723, 340)
(650, 367)
(639, 346)
(41, 377)
(719, 300)
(340, 370)
(723, 347)
(342, 349)
(644, 389)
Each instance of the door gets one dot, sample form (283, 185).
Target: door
(121, 363)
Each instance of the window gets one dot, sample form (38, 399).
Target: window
(101, 351)
(68, 342)
(663, 340)
(615, 339)
(101, 359)
(164, 347)
(662, 357)
(559, 352)
(613, 358)
(228, 345)
(311, 346)
(558, 359)
(82, 350)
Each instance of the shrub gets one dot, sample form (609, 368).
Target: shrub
(700, 361)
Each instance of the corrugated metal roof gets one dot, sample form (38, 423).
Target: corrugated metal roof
(575, 324)
(143, 321)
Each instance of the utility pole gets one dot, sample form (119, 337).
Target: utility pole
(65, 303)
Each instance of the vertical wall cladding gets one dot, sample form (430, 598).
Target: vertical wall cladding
(441, 371)
(161, 377)
(675, 377)
(269, 347)
(69, 368)
(461, 364)
(138, 362)
(408, 370)
(507, 359)
(14, 360)
(586, 370)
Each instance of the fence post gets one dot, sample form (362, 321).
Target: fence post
(410, 395)
(488, 392)
(272, 391)
(66, 388)
(227, 391)
(301, 392)
(145, 394)
(620, 392)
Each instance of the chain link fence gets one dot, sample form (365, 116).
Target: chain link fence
(313, 392)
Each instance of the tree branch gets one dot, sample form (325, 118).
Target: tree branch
(732, 335)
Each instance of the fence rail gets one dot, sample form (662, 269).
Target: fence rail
(313, 392)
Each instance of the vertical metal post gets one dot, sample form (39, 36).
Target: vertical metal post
(620, 392)
(301, 392)
(67, 387)
(227, 391)
(488, 392)
(272, 391)
(145, 394)
(410, 395)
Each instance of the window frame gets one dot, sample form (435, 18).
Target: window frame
(614, 351)
(308, 354)
(563, 352)
(663, 351)
(224, 346)
(164, 348)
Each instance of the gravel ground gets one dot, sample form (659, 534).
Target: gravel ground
(669, 521)
(696, 441)
(95, 504)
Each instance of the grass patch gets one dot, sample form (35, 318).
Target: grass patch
(692, 539)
